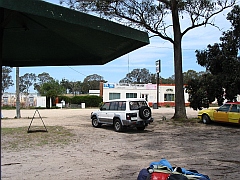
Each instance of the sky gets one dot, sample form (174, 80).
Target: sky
(144, 57)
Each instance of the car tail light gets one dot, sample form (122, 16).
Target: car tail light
(130, 115)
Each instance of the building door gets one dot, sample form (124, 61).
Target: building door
(145, 96)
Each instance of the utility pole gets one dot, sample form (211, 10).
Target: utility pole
(18, 116)
(158, 70)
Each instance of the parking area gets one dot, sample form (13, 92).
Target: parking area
(102, 153)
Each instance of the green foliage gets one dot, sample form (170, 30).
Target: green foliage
(42, 78)
(26, 81)
(89, 100)
(91, 82)
(169, 80)
(139, 76)
(72, 87)
(205, 90)
(222, 63)
(67, 99)
(51, 89)
(55, 107)
(6, 78)
(7, 107)
(39, 108)
(191, 74)
(167, 105)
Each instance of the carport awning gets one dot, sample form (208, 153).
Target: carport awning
(37, 33)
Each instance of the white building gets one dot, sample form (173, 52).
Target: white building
(32, 100)
(166, 92)
(10, 99)
(94, 92)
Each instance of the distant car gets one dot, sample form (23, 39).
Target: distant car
(122, 113)
(229, 112)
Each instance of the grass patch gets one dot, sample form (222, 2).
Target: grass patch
(17, 138)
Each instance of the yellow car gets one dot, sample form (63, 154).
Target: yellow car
(229, 112)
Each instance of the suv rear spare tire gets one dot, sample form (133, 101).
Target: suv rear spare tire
(145, 112)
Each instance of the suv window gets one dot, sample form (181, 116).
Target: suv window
(135, 105)
(105, 106)
(122, 106)
(114, 105)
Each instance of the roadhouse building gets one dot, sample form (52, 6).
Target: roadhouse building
(166, 92)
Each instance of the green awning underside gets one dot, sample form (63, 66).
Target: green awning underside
(37, 33)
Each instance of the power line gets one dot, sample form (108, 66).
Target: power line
(77, 71)
(168, 48)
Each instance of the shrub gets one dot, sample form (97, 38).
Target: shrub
(65, 98)
(167, 105)
(8, 107)
(89, 100)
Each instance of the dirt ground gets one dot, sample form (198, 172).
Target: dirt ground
(102, 153)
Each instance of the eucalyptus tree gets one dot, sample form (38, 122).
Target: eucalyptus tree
(6, 78)
(139, 76)
(42, 78)
(26, 81)
(162, 18)
(91, 82)
(222, 63)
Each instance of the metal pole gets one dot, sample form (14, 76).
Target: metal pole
(157, 89)
(158, 70)
(17, 94)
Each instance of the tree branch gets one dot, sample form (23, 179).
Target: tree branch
(205, 22)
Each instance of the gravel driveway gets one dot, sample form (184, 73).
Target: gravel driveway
(102, 153)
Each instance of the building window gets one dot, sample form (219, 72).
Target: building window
(145, 96)
(131, 95)
(168, 97)
(114, 96)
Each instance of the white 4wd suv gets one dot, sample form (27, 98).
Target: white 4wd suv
(123, 113)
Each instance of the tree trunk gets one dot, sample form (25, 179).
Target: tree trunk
(180, 110)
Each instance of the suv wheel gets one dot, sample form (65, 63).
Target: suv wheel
(118, 125)
(95, 123)
(145, 112)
